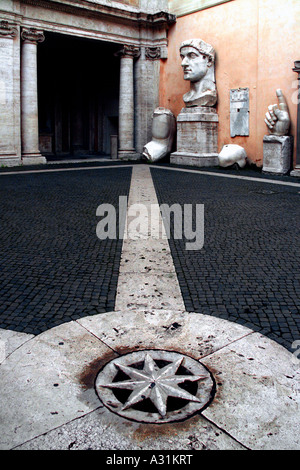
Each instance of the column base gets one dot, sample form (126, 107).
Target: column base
(33, 159)
(127, 155)
(9, 160)
(295, 172)
(194, 159)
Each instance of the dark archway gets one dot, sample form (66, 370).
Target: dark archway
(78, 95)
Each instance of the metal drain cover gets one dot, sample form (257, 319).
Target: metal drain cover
(155, 386)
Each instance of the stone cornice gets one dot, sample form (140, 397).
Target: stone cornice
(106, 12)
(8, 30)
(161, 18)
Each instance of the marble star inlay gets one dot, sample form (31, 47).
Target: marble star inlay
(154, 383)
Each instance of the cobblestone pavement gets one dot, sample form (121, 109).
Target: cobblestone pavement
(248, 269)
(53, 268)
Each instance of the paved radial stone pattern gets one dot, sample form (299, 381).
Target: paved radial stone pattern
(53, 268)
(248, 270)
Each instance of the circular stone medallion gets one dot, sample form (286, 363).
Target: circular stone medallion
(155, 386)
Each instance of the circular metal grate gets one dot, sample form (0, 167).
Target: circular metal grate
(155, 386)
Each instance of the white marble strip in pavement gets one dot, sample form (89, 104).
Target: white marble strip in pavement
(55, 170)
(228, 175)
(185, 170)
(147, 278)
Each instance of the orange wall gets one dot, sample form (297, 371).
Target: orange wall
(256, 42)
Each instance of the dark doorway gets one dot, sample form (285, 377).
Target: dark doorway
(78, 95)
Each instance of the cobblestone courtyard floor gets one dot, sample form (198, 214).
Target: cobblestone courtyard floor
(54, 269)
(71, 303)
(248, 269)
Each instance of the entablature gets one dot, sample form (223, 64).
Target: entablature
(98, 19)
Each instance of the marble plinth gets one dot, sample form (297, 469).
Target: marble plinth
(9, 160)
(128, 155)
(295, 172)
(33, 159)
(277, 154)
(197, 137)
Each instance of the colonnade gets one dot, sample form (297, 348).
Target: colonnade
(28, 130)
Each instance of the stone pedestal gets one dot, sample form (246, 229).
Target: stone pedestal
(197, 137)
(278, 151)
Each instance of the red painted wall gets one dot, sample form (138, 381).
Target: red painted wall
(256, 43)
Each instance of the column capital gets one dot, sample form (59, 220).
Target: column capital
(129, 51)
(153, 53)
(32, 35)
(7, 30)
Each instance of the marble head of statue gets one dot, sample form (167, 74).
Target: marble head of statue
(198, 64)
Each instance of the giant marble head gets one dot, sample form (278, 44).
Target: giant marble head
(198, 64)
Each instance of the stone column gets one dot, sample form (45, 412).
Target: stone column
(9, 95)
(147, 70)
(29, 98)
(296, 171)
(126, 104)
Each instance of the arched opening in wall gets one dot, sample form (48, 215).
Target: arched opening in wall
(78, 96)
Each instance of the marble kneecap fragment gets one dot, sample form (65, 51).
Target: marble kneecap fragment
(232, 153)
